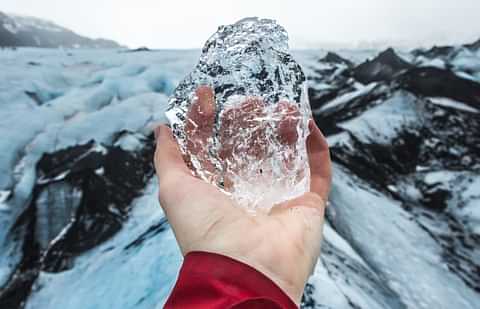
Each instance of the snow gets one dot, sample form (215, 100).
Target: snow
(11, 28)
(392, 188)
(339, 139)
(83, 126)
(466, 61)
(33, 22)
(427, 62)
(383, 122)
(330, 293)
(4, 194)
(333, 237)
(389, 242)
(108, 271)
(96, 94)
(105, 275)
(465, 202)
(446, 102)
(374, 253)
(130, 142)
(469, 199)
(436, 177)
(320, 86)
(115, 89)
(361, 90)
(471, 211)
(473, 77)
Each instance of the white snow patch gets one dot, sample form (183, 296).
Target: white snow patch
(439, 177)
(327, 292)
(130, 142)
(340, 139)
(427, 62)
(466, 61)
(320, 86)
(339, 289)
(11, 28)
(24, 22)
(470, 210)
(420, 168)
(347, 97)
(392, 188)
(60, 176)
(332, 236)
(383, 122)
(446, 102)
(4, 194)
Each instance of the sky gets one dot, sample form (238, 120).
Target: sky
(310, 23)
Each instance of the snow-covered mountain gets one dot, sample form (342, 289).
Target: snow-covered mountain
(18, 31)
(80, 224)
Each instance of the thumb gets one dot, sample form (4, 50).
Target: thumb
(168, 157)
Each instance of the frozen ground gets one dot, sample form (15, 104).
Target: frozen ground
(80, 225)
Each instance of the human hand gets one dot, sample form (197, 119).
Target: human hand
(283, 244)
(250, 135)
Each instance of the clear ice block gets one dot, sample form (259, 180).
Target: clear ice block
(250, 139)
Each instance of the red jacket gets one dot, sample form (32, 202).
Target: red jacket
(214, 281)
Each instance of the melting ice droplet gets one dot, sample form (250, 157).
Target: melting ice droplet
(241, 116)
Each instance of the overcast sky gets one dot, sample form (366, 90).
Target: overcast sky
(310, 23)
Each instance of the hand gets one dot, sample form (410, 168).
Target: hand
(242, 135)
(283, 244)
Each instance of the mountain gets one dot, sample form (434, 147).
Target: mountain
(384, 67)
(440, 54)
(475, 46)
(17, 31)
(332, 57)
(80, 222)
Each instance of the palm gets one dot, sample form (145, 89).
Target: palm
(283, 244)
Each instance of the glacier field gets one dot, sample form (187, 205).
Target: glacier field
(80, 223)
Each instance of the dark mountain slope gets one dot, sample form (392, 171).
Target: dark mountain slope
(20, 31)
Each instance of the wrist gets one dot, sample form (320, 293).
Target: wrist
(292, 286)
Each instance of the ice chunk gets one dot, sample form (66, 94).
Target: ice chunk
(241, 116)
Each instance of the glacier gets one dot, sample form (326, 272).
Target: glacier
(80, 223)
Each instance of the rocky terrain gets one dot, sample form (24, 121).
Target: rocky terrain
(16, 31)
(79, 216)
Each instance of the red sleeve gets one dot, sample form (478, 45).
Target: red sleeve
(214, 281)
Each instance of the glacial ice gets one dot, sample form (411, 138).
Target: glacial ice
(399, 266)
(252, 145)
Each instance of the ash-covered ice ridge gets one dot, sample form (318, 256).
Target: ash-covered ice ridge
(257, 143)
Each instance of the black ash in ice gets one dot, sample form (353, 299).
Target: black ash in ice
(248, 60)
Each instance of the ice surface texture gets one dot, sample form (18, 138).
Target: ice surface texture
(241, 116)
